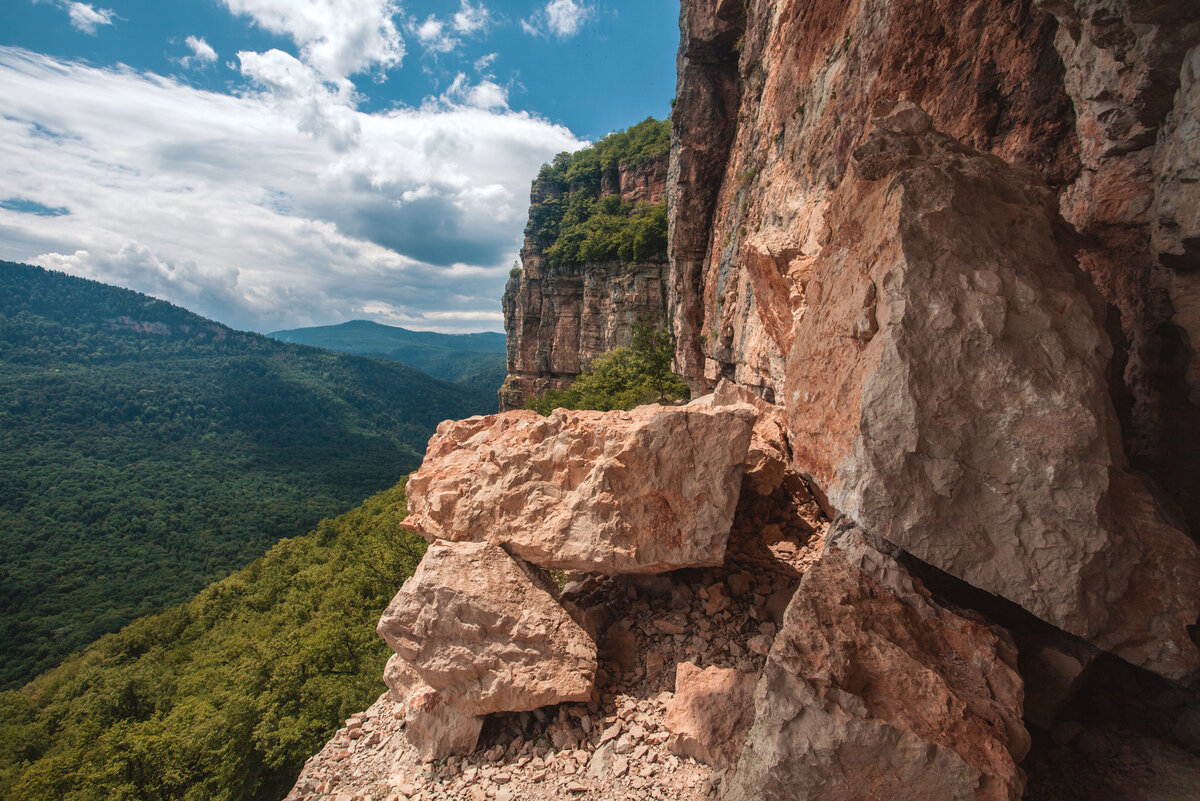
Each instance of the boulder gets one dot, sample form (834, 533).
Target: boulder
(710, 713)
(645, 491)
(485, 631)
(872, 690)
(946, 388)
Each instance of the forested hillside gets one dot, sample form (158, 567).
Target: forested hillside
(146, 451)
(224, 697)
(476, 361)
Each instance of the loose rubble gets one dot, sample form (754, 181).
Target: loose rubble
(616, 745)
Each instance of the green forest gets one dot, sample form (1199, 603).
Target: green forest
(577, 225)
(146, 452)
(623, 378)
(222, 698)
(475, 361)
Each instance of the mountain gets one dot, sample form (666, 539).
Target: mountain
(221, 698)
(474, 360)
(146, 451)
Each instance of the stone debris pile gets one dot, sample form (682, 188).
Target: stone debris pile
(480, 627)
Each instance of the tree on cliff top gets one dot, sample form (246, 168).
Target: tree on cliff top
(623, 378)
(578, 226)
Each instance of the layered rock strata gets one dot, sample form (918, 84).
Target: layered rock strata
(558, 319)
(645, 491)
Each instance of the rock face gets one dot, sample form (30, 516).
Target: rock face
(872, 690)
(645, 491)
(967, 418)
(774, 97)
(558, 319)
(710, 714)
(486, 632)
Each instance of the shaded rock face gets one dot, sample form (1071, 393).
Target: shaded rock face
(774, 96)
(873, 690)
(558, 319)
(486, 633)
(946, 388)
(645, 491)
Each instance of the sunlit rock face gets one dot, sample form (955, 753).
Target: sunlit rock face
(644, 491)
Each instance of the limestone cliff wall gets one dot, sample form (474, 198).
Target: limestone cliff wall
(559, 318)
(1097, 96)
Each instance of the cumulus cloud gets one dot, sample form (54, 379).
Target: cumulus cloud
(561, 18)
(224, 205)
(337, 38)
(434, 36)
(439, 35)
(485, 94)
(202, 53)
(471, 19)
(84, 17)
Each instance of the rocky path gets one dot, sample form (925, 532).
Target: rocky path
(618, 746)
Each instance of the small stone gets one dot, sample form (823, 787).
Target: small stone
(620, 766)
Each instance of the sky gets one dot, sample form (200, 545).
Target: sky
(282, 163)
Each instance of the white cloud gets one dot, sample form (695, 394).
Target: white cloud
(562, 18)
(484, 95)
(85, 17)
(434, 37)
(471, 19)
(223, 205)
(337, 38)
(484, 63)
(438, 35)
(202, 53)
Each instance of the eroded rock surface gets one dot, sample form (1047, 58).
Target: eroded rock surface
(946, 388)
(645, 491)
(872, 690)
(487, 633)
(710, 714)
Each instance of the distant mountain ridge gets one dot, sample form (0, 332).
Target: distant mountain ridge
(146, 451)
(476, 360)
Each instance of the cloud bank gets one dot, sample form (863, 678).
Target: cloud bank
(279, 207)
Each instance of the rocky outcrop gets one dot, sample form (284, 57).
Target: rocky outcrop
(645, 491)
(558, 319)
(873, 690)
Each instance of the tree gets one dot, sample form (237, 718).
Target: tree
(623, 378)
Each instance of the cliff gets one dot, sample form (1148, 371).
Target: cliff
(1098, 97)
(559, 314)
(935, 498)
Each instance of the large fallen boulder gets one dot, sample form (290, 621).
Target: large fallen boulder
(645, 491)
(873, 690)
(486, 632)
(946, 388)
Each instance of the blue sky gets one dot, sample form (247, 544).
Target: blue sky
(278, 163)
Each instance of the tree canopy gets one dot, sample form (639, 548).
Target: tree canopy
(623, 378)
(146, 451)
(577, 225)
(222, 698)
